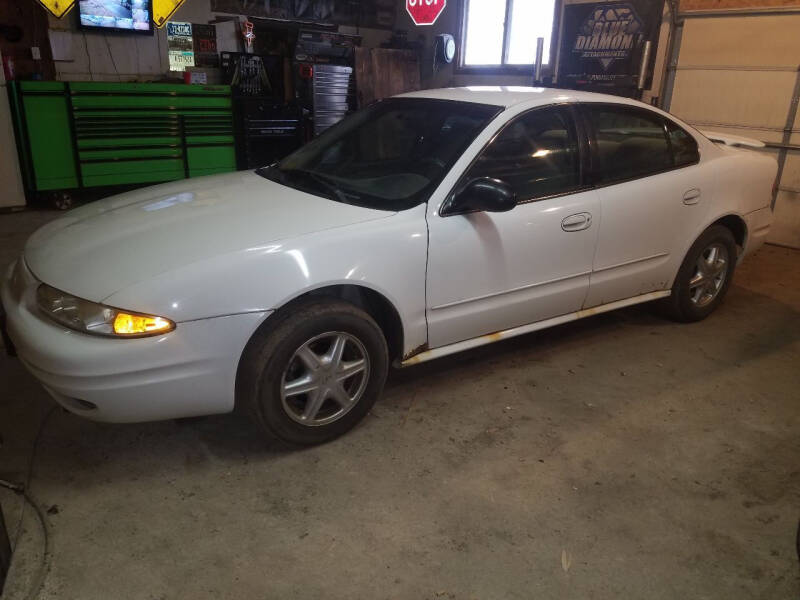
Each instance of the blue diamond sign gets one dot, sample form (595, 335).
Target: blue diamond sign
(608, 33)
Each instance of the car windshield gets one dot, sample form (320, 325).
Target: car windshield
(389, 156)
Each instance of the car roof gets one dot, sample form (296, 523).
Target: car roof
(510, 95)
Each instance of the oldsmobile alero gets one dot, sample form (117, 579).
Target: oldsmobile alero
(421, 226)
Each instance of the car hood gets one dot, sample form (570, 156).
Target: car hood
(103, 247)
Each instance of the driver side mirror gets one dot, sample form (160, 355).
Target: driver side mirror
(483, 194)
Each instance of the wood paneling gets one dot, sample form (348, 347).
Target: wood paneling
(31, 18)
(363, 13)
(686, 5)
(382, 72)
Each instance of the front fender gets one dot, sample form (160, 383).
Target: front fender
(386, 255)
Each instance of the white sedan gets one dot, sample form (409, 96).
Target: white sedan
(421, 226)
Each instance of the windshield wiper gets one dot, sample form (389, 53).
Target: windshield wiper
(299, 179)
(321, 181)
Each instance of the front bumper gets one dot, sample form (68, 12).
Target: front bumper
(7, 343)
(190, 371)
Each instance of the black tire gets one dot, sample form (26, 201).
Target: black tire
(271, 353)
(679, 305)
(61, 200)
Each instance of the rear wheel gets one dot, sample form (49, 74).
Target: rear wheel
(704, 276)
(315, 372)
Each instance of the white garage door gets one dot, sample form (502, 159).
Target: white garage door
(739, 74)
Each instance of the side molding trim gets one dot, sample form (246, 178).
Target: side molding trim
(523, 329)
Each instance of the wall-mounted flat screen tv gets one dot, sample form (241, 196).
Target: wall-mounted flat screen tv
(134, 16)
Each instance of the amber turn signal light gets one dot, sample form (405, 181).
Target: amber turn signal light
(127, 324)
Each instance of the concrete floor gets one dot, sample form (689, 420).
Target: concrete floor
(623, 456)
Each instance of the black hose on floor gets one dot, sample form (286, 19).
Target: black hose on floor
(22, 490)
(44, 564)
(797, 540)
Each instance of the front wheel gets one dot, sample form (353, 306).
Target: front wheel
(60, 200)
(704, 276)
(315, 372)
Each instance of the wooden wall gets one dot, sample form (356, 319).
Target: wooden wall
(723, 4)
(382, 72)
(31, 18)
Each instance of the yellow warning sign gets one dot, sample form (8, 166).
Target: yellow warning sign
(164, 9)
(58, 8)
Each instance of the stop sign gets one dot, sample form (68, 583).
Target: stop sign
(425, 12)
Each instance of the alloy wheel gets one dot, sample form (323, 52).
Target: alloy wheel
(325, 378)
(709, 275)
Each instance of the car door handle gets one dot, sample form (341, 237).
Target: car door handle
(576, 222)
(692, 196)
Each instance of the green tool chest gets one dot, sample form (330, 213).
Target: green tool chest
(80, 134)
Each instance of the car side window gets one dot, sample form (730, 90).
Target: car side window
(684, 147)
(536, 154)
(629, 143)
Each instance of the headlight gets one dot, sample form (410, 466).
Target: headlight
(90, 317)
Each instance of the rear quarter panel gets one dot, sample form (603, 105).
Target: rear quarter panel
(744, 182)
(741, 186)
(744, 179)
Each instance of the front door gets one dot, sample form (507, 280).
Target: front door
(489, 271)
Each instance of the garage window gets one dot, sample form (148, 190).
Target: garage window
(536, 154)
(501, 34)
(628, 143)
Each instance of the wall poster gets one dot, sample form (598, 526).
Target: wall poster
(205, 45)
(180, 46)
(602, 44)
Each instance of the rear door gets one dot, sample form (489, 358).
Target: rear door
(653, 193)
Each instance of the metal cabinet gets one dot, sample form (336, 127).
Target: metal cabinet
(82, 134)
